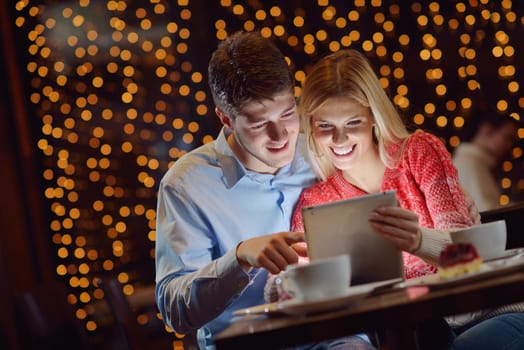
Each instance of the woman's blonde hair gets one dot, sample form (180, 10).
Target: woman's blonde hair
(348, 74)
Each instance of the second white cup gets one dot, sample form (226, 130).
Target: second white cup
(489, 238)
(318, 279)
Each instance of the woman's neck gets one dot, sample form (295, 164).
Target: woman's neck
(367, 176)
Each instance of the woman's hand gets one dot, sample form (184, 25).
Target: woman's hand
(472, 208)
(398, 225)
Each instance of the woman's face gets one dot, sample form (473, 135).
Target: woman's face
(343, 131)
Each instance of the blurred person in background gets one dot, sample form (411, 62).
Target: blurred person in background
(358, 144)
(476, 159)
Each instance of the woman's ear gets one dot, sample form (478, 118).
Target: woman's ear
(224, 118)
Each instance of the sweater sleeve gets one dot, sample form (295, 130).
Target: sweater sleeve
(433, 242)
(435, 174)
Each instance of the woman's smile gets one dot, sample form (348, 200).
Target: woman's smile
(343, 151)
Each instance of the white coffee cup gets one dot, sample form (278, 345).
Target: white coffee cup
(489, 238)
(318, 279)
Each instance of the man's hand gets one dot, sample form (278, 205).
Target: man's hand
(272, 252)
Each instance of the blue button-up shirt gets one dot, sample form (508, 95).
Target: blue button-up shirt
(208, 202)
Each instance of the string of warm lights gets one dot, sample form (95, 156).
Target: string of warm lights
(119, 93)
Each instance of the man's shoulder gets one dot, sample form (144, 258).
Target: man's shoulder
(195, 161)
(468, 154)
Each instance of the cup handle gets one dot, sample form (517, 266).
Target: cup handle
(287, 285)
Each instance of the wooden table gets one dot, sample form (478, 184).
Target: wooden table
(394, 312)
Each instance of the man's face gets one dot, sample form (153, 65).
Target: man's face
(265, 133)
(503, 138)
(497, 139)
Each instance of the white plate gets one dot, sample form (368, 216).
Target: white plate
(510, 253)
(297, 307)
(488, 269)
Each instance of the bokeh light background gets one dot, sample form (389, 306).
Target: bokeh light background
(117, 92)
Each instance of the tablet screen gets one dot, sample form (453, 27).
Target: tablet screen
(342, 227)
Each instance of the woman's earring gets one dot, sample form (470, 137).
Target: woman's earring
(313, 146)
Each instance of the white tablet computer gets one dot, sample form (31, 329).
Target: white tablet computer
(342, 227)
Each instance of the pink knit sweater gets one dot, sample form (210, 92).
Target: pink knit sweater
(426, 182)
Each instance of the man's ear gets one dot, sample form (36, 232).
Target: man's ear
(224, 118)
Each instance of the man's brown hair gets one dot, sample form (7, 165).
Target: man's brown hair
(247, 67)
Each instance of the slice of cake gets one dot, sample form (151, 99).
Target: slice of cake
(458, 259)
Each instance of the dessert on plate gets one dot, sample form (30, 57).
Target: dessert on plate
(458, 259)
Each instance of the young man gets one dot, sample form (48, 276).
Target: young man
(224, 209)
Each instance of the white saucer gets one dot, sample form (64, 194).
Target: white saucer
(298, 307)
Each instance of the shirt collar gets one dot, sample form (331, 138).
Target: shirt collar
(234, 170)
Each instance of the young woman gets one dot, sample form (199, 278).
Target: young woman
(358, 144)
